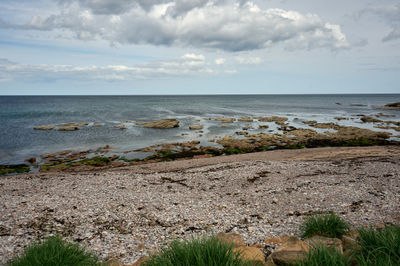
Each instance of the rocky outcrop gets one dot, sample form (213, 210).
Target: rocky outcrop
(277, 119)
(163, 123)
(391, 106)
(245, 119)
(196, 127)
(47, 127)
(369, 119)
(225, 119)
(68, 128)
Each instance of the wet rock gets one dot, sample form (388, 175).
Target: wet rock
(250, 253)
(277, 119)
(231, 238)
(163, 123)
(48, 127)
(73, 124)
(290, 251)
(391, 106)
(245, 119)
(68, 128)
(339, 103)
(97, 125)
(226, 119)
(196, 127)
(121, 126)
(383, 115)
(369, 119)
(31, 160)
(357, 104)
(263, 126)
(339, 118)
(327, 125)
(311, 122)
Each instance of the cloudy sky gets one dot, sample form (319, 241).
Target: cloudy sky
(89, 47)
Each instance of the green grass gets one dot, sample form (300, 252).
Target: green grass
(54, 251)
(328, 225)
(379, 246)
(323, 255)
(197, 252)
(234, 151)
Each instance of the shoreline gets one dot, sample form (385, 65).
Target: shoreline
(127, 212)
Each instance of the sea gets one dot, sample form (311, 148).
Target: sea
(20, 114)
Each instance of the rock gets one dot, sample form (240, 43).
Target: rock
(31, 160)
(339, 103)
(341, 118)
(48, 127)
(290, 251)
(383, 115)
(246, 127)
(245, 119)
(369, 119)
(196, 127)
(263, 126)
(68, 128)
(250, 253)
(276, 240)
(349, 244)
(357, 104)
(163, 123)
(73, 124)
(231, 238)
(121, 126)
(311, 122)
(141, 261)
(327, 125)
(225, 119)
(277, 119)
(97, 125)
(316, 241)
(126, 121)
(391, 106)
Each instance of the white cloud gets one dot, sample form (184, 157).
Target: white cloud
(187, 65)
(220, 61)
(223, 25)
(248, 60)
(390, 14)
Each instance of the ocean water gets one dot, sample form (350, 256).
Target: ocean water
(19, 114)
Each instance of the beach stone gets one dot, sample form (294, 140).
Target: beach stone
(68, 128)
(316, 241)
(163, 123)
(290, 251)
(250, 253)
(48, 127)
(231, 238)
(196, 127)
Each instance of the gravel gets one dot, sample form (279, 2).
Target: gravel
(128, 213)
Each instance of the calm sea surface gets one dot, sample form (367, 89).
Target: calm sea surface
(19, 114)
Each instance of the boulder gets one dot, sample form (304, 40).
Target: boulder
(231, 238)
(163, 123)
(263, 126)
(316, 241)
(290, 251)
(48, 127)
(250, 253)
(196, 127)
(276, 240)
(68, 128)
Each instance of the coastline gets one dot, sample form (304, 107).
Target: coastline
(126, 212)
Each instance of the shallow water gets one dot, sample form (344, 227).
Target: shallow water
(19, 114)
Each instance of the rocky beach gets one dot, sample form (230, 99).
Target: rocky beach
(130, 211)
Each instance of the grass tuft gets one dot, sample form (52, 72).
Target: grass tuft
(201, 252)
(323, 255)
(55, 251)
(379, 246)
(328, 225)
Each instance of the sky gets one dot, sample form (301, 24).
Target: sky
(136, 47)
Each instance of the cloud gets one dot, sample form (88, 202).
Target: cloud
(390, 14)
(187, 65)
(248, 60)
(220, 61)
(219, 25)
